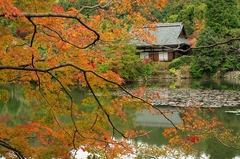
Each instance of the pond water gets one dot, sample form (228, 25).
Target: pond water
(208, 149)
(17, 111)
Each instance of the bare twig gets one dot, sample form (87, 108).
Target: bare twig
(95, 6)
(208, 46)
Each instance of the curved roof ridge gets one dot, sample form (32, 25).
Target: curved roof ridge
(164, 24)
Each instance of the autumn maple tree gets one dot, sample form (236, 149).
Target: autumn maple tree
(50, 50)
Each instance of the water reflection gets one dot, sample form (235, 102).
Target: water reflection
(17, 111)
(207, 148)
(154, 119)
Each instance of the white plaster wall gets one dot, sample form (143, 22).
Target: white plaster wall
(144, 55)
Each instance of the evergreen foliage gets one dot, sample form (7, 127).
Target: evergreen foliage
(222, 23)
(191, 13)
(181, 61)
(222, 15)
(206, 60)
(126, 63)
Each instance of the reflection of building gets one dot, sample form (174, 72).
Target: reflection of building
(157, 120)
(170, 38)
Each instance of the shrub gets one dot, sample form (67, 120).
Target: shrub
(172, 71)
(145, 70)
(231, 63)
(178, 62)
(196, 70)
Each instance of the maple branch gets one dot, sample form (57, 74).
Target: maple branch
(21, 68)
(65, 40)
(208, 46)
(71, 108)
(75, 153)
(74, 137)
(59, 124)
(46, 70)
(100, 105)
(72, 115)
(39, 80)
(187, 111)
(16, 152)
(136, 97)
(58, 15)
(219, 140)
(95, 121)
(34, 31)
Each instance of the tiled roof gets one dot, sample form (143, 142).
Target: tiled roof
(166, 34)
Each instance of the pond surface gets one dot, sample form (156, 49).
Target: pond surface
(17, 111)
(210, 89)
